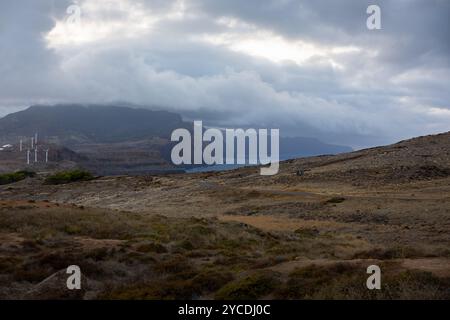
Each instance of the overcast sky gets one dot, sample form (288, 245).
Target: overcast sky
(311, 68)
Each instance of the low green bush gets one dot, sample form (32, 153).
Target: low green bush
(8, 178)
(69, 177)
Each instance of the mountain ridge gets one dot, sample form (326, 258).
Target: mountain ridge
(73, 123)
(117, 139)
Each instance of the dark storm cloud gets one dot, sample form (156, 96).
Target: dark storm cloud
(418, 26)
(311, 68)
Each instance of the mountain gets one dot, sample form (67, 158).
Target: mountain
(74, 124)
(106, 139)
(118, 139)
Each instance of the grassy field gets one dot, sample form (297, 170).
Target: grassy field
(127, 255)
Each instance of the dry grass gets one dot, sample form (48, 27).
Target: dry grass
(139, 256)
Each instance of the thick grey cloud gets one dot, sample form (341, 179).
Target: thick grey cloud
(311, 68)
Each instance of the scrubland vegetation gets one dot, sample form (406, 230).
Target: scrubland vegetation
(189, 258)
(8, 178)
(65, 177)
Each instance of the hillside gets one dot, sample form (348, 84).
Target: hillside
(59, 158)
(75, 124)
(421, 158)
(222, 234)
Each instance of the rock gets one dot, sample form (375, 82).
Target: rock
(55, 288)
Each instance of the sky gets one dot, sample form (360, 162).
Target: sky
(309, 68)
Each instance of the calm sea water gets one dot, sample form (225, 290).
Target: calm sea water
(218, 167)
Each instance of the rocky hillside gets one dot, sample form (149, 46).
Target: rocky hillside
(421, 158)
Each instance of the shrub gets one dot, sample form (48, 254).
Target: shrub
(154, 290)
(212, 280)
(307, 232)
(8, 178)
(395, 252)
(151, 247)
(415, 284)
(68, 177)
(304, 283)
(336, 200)
(174, 265)
(348, 281)
(253, 287)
